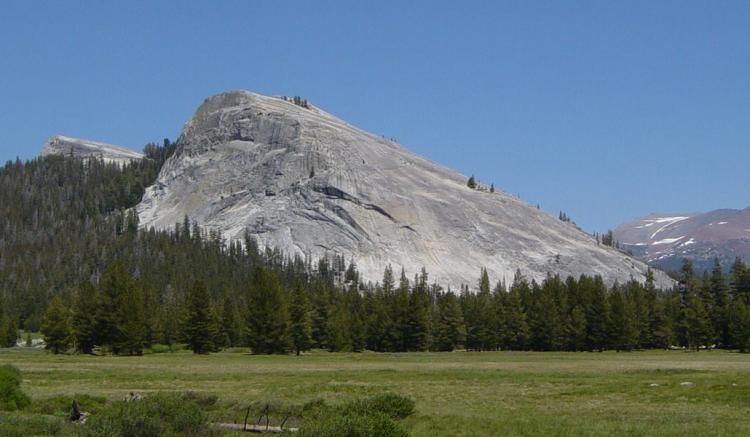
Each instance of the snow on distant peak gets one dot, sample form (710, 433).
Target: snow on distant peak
(668, 221)
(667, 241)
(688, 243)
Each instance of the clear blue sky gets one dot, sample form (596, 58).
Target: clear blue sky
(606, 110)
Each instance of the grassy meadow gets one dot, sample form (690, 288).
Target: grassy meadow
(461, 393)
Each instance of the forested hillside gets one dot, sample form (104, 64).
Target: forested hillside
(74, 263)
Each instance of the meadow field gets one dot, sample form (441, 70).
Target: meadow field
(664, 393)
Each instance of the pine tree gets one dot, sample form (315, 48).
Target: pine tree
(56, 326)
(418, 316)
(450, 331)
(8, 331)
(597, 314)
(130, 321)
(720, 305)
(472, 183)
(635, 295)
(299, 312)
(699, 332)
(516, 324)
(739, 325)
(114, 285)
(577, 329)
(231, 324)
(400, 315)
(686, 288)
(623, 335)
(84, 318)
(544, 320)
(267, 315)
(200, 328)
(740, 281)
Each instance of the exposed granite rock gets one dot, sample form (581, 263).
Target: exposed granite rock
(307, 182)
(67, 146)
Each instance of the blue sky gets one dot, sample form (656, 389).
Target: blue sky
(605, 110)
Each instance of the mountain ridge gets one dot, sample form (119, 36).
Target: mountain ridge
(303, 180)
(87, 149)
(664, 239)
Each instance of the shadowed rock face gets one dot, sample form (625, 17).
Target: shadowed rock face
(87, 149)
(664, 239)
(310, 183)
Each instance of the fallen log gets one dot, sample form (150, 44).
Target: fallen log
(254, 428)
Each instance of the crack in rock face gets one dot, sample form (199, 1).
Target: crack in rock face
(302, 180)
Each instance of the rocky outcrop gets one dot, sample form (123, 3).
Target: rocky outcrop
(86, 149)
(307, 182)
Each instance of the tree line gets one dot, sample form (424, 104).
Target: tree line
(314, 309)
(74, 264)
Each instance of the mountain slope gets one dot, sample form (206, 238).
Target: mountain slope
(664, 239)
(307, 182)
(67, 146)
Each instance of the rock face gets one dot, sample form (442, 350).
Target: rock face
(309, 183)
(664, 239)
(67, 146)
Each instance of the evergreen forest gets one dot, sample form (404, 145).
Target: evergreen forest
(75, 265)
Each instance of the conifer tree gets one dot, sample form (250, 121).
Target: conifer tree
(450, 331)
(84, 317)
(517, 327)
(597, 313)
(378, 323)
(400, 315)
(131, 323)
(699, 332)
(200, 329)
(623, 335)
(544, 322)
(231, 323)
(267, 315)
(720, 305)
(740, 281)
(8, 331)
(114, 285)
(577, 329)
(56, 326)
(739, 325)
(299, 312)
(418, 316)
(339, 329)
(472, 183)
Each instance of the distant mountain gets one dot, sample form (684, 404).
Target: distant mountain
(79, 148)
(302, 180)
(662, 240)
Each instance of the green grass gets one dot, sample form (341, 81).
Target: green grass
(503, 393)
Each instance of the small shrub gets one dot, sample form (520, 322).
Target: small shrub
(392, 405)
(373, 416)
(11, 396)
(354, 425)
(24, 425)
(60, 405)
(156, 415)
(203, 400)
